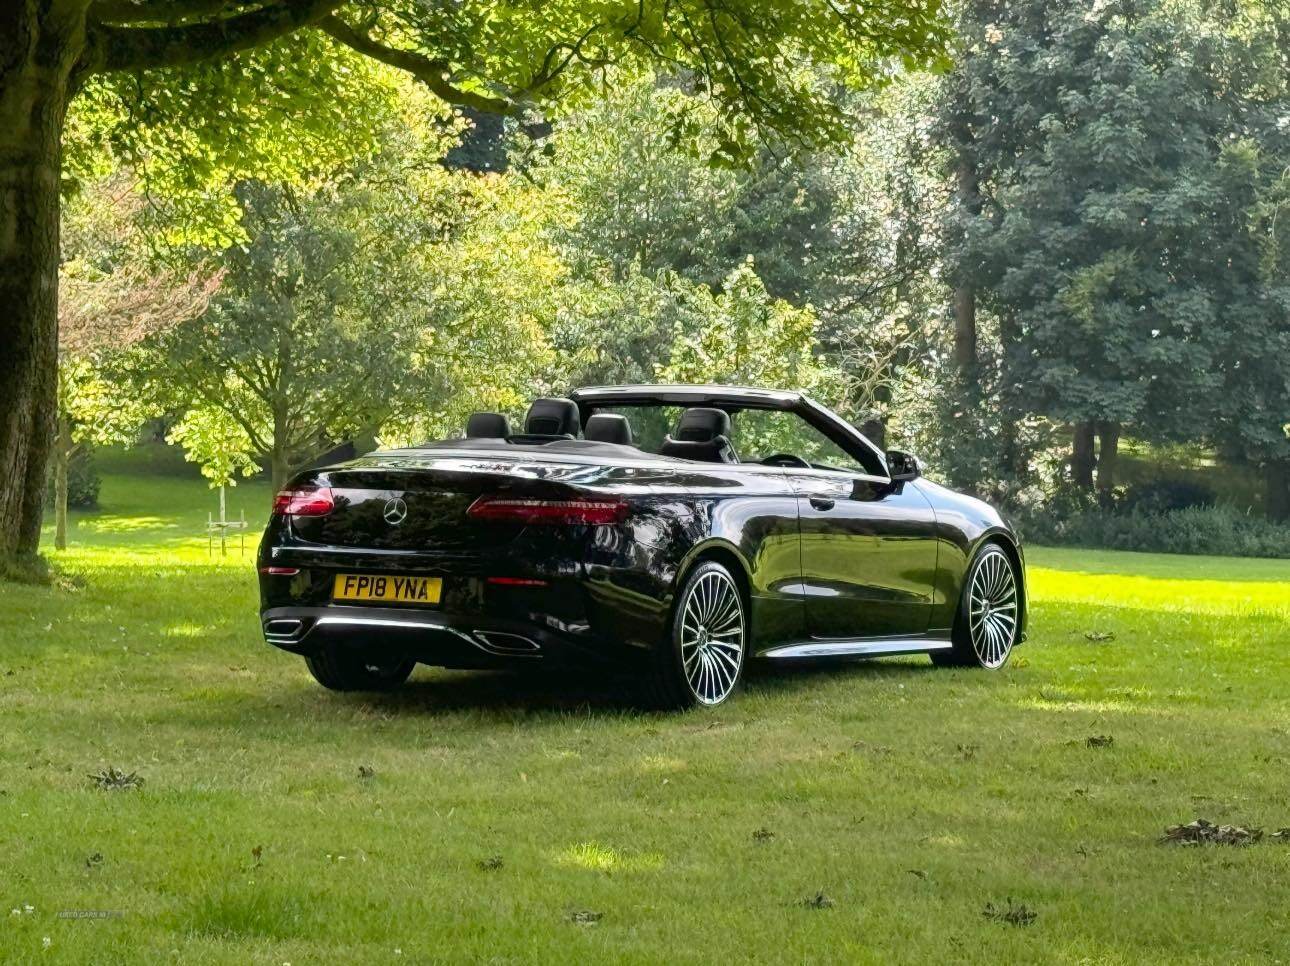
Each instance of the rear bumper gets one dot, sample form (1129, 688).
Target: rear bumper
(441, 639)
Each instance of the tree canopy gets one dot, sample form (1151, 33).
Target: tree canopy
(200, 93)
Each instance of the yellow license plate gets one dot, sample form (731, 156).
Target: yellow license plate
(387, 589)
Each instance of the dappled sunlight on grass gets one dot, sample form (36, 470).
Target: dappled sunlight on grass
(1190, 596)
(1039, 703)
(187, 630)
(604, 858)
(662, 764)
(116, 524)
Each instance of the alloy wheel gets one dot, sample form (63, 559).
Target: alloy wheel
(712, 636)
(993, 611)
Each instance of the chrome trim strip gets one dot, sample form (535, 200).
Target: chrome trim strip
(384, 622)
(862, 648)
(415, 625)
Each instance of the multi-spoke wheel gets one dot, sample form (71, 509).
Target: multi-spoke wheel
(986, 628)
(705, 661)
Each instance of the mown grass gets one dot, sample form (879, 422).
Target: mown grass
(495, 817)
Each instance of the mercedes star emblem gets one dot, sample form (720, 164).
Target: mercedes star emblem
(396, 511)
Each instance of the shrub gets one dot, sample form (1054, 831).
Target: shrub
(1221, 530)
(1163, 495)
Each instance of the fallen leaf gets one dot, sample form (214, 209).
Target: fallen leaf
(1014, 914)
(1203, 832)
(113, 780)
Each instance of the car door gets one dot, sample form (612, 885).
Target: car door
(868, 555)
(868, 546)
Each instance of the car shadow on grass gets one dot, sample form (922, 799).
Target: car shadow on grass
(433, 691)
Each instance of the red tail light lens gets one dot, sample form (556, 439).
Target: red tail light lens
(549, 512)
(304, 501)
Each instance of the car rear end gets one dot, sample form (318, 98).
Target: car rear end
(456, 562)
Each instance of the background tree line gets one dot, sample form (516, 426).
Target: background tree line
(1070, 242)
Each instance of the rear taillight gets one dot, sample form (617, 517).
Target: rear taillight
(304, 501)
(549, 512)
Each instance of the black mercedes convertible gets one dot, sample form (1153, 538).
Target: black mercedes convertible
(668, 534)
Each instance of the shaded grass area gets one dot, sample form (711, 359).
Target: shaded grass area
(869, 813)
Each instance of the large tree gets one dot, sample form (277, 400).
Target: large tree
(1100, 224)
(176, 59)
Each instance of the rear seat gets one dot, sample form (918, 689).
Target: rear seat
(608, 428)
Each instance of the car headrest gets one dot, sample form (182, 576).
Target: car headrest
(715, 450)
(608, 428)
(553, 417)
(700, 424)
(487, 426)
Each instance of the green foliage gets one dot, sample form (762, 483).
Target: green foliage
(214, 440)
(1219, 529)
(1166, 495)
(743, 336)
(291, 111)
(101, 408)
(747, 60)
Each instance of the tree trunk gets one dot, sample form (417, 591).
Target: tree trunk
(39, 43)
(964, 292)
(1108, 456)
(875, 430)
(1082, 456)
(1276, 500)
(965, 328)
(279, 468)
(62, 458)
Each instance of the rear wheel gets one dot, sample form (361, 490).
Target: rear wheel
(703, 660)
(343, 670)
(985, 629)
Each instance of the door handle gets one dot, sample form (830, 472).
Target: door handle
(822, 503)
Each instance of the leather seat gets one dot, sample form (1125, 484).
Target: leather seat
(487, 426)
(553, 417)
(702, 434)
(608, 428)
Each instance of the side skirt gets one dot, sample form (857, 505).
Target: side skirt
(866, 647)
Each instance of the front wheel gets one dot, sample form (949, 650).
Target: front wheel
(985, 628)
(342, 670)
(703, 661)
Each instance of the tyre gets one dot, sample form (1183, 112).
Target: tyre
(703, 660)
(344, 670)
(986, 626)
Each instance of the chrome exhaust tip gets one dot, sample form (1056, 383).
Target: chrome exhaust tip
(500, 642)
(283, 628)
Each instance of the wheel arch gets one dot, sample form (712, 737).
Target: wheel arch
(725, 553)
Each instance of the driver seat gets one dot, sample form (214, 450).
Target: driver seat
(703, 435)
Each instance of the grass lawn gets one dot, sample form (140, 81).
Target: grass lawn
(867, 813)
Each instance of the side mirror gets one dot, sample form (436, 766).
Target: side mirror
(902, 466)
